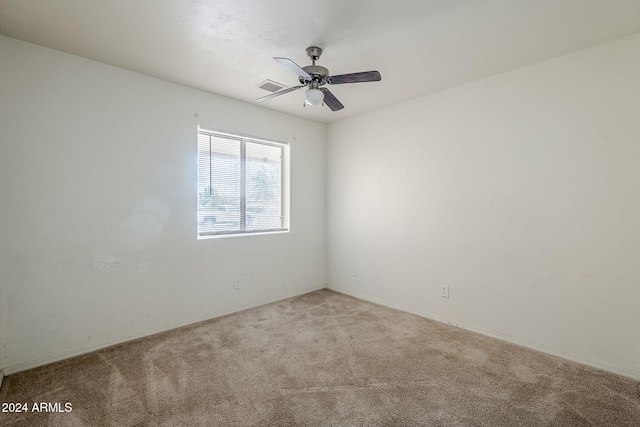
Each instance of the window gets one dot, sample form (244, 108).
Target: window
(241, 184)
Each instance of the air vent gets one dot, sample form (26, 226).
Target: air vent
(271, 86)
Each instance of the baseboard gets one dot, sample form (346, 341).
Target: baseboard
(79, 351)
(498, 335)
(1, 378)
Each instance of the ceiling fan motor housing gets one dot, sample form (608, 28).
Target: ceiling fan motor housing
(317, 73)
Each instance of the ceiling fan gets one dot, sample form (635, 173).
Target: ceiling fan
(314, 77)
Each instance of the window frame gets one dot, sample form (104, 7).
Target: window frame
(284, 183)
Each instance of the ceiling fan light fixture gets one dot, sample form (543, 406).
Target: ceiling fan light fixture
(313, 97)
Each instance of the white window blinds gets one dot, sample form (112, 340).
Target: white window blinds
(240, 184)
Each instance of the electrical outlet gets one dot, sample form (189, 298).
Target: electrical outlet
(444, 291)
(354, 273)
(236, 284)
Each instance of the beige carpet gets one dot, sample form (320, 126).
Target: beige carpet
(321, 359)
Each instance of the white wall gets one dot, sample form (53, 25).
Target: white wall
(521, 192)
(98, 191)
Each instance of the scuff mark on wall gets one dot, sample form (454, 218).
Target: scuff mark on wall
(106, 263)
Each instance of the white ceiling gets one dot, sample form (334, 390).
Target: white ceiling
(226, 46)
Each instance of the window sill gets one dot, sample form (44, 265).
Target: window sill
(242, 234)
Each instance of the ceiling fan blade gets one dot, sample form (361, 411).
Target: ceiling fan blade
(365, 76)
(280, 92)
(331, 101)
(293, 67)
